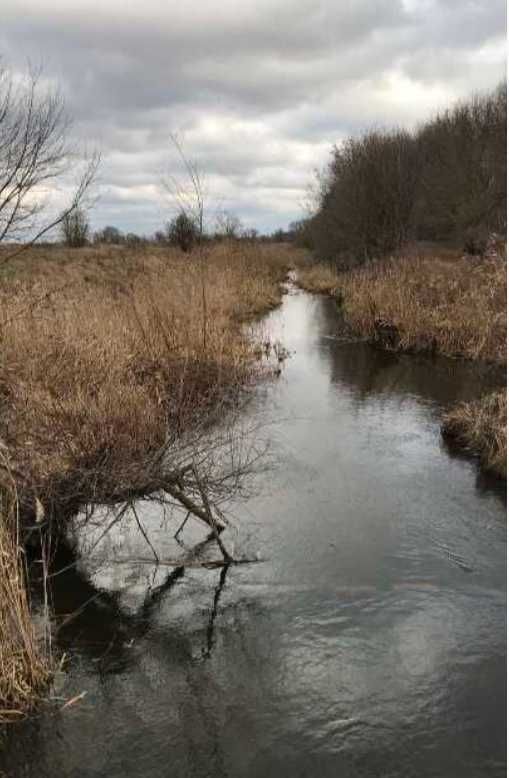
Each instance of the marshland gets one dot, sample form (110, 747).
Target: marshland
(252, 486)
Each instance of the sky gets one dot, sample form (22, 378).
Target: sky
(257, 91)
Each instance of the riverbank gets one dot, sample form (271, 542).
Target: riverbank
(109, 357)
(480, 427)
(442, 303)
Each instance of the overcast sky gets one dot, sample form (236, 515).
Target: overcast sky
(258, 90)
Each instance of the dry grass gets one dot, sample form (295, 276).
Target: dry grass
(480, 427)
(23, 664)
(94, 376)
(318, 278)
(456, 307)
(453, 306)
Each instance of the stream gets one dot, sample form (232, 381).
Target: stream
(368, 640)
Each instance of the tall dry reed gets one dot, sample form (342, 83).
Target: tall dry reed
(24, 661)
(454, 306)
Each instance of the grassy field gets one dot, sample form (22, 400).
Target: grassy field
(106, 355)
(438, 302)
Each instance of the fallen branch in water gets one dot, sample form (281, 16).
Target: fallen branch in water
(183, 563)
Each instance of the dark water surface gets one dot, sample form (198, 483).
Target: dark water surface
(369, 642)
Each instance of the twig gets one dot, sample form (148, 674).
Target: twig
(143, 532)
(74, 700)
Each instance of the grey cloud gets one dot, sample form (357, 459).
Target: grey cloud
(259, 89)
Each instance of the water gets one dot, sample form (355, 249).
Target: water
(370, 639)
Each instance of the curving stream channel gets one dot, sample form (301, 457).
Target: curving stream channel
(368, 641)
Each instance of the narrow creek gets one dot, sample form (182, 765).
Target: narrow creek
(368, 641)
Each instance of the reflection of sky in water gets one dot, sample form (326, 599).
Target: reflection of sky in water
(371, 638)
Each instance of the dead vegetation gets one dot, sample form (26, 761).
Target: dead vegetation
(319, 278)
(451, 305)
(24, 664)
(105, 354)
(114, 366)
(480, 428)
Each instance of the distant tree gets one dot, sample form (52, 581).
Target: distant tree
(250, 234)
(109, 235)
(228, 225)
(279, 236)
(75, 228)
(160, 237)
(134, 241)
(188, 197)
(183, 231)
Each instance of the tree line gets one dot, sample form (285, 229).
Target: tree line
(182, 232)
(444, 182)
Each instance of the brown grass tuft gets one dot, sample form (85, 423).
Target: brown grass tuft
(319, 278)
(481, 428)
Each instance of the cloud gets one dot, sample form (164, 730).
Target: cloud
(258, 90)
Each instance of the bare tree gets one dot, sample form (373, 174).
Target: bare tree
(34, 155)
(462, 193)
(366, 198)
(75, 229)
(187, 193)
(188, 196)
(229, 226)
